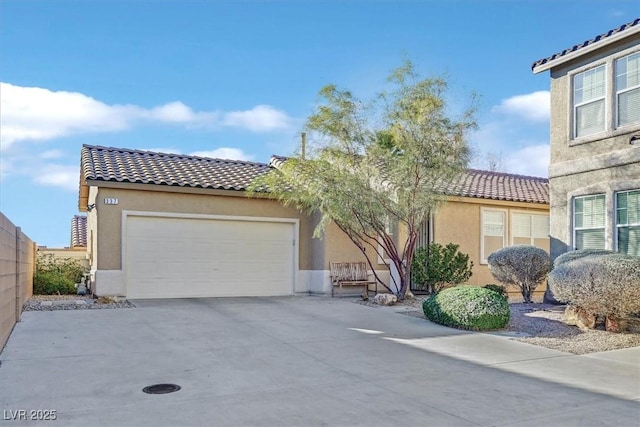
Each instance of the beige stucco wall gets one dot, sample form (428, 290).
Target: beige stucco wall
(105, 248)
(459, 221)
(595, 164)
(107, 252)
(77, 254)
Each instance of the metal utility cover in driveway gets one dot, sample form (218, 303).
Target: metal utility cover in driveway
(168, 257)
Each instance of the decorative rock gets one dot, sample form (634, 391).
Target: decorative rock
(613, 324)
(622, 324)
(580, 318)
(409, 295)
(385, 299)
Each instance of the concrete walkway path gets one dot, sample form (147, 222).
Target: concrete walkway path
(299, 361)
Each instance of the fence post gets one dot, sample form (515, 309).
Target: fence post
(18, 308)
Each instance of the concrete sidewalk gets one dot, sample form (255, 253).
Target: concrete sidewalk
(299, 361)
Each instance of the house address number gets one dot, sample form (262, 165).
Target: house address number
(110, 201)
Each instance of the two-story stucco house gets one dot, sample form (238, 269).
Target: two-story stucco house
(594, 173)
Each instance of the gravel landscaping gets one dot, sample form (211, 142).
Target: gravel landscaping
(72, 302)
(542, 325)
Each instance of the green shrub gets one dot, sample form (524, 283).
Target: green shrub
(522, 266)
(499, 289)
(468, 307)
(438, 267)
(573, 255)
(56, 275)
(52, 283)
(599, 284)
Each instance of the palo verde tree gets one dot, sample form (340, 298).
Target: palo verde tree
(372, 164)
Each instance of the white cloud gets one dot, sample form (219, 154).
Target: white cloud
(224, 153)
(175, 112)
(65, 177)
(262, 118)
(533, 106)
(532, 160)
(52, 154)
(32, 113)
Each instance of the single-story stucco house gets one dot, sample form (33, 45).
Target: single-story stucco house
(168, 226)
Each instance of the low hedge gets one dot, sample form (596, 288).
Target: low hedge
(52, 283)
(599, 284)
(468, 307)
(580, 253)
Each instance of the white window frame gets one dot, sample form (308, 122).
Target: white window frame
(530, 214)
(618, 92)
(615, 209)
(573, 219)
(602, 98)
(505, 227)
(611, 127)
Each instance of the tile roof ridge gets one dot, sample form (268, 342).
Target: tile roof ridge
(588, 42)
(508, 174)
(174, 155)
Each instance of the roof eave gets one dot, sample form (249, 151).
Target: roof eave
(587, 49)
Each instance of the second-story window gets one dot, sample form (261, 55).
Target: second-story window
(589, 91)
(628, 89)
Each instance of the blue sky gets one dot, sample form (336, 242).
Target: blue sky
(236, 79)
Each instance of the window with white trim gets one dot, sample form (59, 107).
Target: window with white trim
(628, 222)
(594, 100)
(589, 90)
(589, 214)
(493, 232)
(628, 90)
(530, 229)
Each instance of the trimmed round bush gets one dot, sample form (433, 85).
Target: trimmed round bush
(468, 307)
(52, 283)
(522, 266)
(581, 253)
(607, 285)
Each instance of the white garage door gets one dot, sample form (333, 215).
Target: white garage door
(186, 257)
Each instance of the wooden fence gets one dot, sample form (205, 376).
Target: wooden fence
(17, 265)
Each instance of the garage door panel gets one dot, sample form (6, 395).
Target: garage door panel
(181, 257)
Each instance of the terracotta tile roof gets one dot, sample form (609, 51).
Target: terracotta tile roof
(487, 185)
(147, 167)
(500, 186)
(79, 231)
(635, 24)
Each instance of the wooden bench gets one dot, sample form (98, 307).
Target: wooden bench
(350, 274)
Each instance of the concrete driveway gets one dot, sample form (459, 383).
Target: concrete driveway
(299, 361)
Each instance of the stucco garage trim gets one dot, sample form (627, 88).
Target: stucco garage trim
(134, 220)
